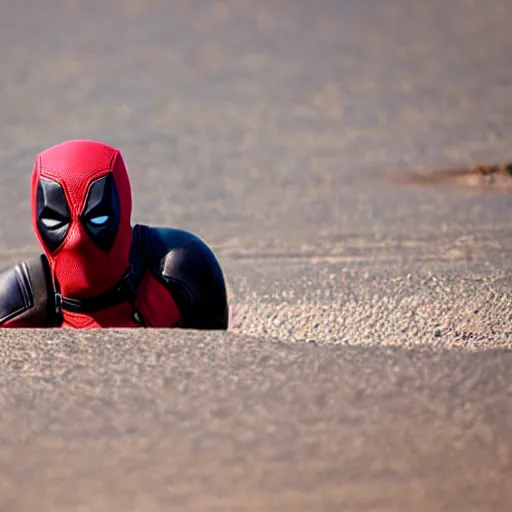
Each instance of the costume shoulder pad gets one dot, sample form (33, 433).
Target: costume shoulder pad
(27, 298)
(192, 274)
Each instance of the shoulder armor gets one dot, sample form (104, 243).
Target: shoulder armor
(26, 295)
(191, 272)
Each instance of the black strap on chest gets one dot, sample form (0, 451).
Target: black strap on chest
(124, 290)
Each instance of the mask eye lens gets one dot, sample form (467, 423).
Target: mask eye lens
(51, 223)
(99, 220)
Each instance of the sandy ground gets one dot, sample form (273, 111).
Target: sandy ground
(368, 363)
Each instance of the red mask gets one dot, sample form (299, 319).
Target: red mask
(81, 213)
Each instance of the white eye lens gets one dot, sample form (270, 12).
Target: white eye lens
(98, 221)
(51, 223)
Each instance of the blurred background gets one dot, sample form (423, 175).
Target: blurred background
(261, 121)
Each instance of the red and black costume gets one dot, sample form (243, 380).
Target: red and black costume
(97, 270)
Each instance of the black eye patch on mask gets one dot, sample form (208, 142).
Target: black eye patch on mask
(53, 217)
(101, 215)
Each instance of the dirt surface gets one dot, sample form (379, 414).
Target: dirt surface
(206, 422)
(319, 148)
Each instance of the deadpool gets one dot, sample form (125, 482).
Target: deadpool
(98, 270)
